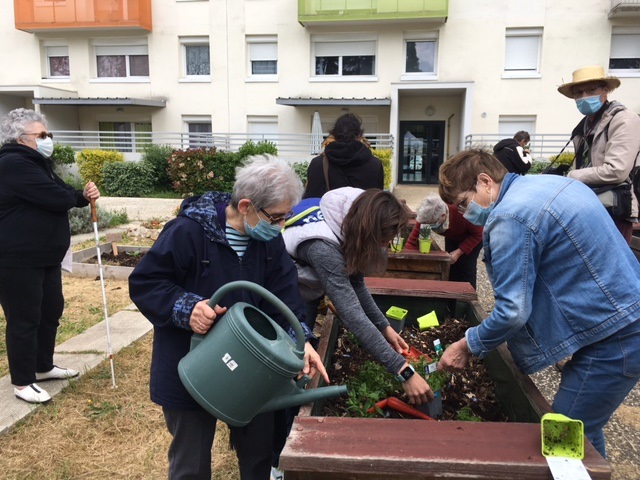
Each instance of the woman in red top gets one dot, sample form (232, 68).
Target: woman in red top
(462, 239)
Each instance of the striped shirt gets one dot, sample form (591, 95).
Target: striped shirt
(236, 240)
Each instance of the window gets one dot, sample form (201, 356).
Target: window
(625, 50)
(420, 57)
(57, 62)
(263, 57)
(122, 61)
(124, 136)
(263, 128)
(345, 59)
(522, 52)
(195, 57)
(200, 134)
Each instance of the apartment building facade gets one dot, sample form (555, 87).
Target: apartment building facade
(434, 74)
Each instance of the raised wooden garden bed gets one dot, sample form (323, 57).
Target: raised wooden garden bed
(82, 268)
(371, 448)
(413, 264)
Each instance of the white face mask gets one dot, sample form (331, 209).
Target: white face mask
(44, 146)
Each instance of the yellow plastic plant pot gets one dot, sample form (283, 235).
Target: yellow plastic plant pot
(427, 321)
(396, 316)
(562, 436)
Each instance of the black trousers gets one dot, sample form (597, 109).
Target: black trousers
(33, 303)
(466, 268)
(193, 432)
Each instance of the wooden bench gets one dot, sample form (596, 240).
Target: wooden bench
(413, 264)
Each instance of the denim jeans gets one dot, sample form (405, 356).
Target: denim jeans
(597, 379)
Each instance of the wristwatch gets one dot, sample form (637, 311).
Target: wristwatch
(405, 374)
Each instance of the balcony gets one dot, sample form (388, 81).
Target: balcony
(327, 12)
(35, 16)
(624, 8)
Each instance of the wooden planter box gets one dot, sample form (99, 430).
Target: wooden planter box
(336, 448)
(422, 266)
(81, 269)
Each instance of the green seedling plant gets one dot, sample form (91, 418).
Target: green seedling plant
(425, 232)
(465, 414)
(361, 400)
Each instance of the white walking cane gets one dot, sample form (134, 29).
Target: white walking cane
(94, 219)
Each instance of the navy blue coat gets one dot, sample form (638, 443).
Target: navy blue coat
(188, 263)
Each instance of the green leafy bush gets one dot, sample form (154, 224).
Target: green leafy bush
(250, 148)
(301, 169)
(566, 158)
(385, 154)
(127, 179)
(91, 163)
(63, 155)
(198, 170)
(80, 219)
(73, 181)
(156, 157)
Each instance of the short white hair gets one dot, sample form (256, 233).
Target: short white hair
(431, 209)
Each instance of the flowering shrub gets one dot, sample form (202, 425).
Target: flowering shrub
(199, 170)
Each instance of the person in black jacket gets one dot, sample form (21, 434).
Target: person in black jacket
(219, 238)
(34, 237)
(350, 162)
(514, 154)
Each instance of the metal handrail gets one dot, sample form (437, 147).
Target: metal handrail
(543, 145)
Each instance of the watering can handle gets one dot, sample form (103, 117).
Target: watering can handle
(271, 298)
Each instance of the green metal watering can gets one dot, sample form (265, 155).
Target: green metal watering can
(246, 363)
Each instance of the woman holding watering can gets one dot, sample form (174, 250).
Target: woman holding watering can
(218, 238)
(337, 252)
(34, 237)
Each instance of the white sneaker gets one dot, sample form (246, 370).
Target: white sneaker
(56, 373)
(276, 474)
(32, 394)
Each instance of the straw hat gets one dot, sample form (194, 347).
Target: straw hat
(588, 74)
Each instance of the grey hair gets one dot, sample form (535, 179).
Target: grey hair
(14, 124)
(431, 209)
(266, 180)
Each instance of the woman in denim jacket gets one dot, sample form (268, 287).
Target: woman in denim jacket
(564, 280)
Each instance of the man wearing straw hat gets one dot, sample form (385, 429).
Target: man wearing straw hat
(606, 140)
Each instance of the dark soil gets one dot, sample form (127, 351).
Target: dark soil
(123, 259)
(471, 388)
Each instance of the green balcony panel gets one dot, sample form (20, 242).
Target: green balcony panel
(315, 12)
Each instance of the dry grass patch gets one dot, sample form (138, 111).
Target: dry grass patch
(92, 431)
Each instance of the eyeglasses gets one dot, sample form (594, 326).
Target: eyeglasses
(581, 92)
(279, 218)
(41, 135)
(462, 205)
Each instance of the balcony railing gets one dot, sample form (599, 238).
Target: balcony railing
(543, 145)
(54, 15)
(293, 146)
(624, 8)
(313, 12)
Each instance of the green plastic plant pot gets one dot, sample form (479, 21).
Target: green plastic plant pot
(396, 245)
(562, 436)
(427, 321)
(424, 245)
(396, 317)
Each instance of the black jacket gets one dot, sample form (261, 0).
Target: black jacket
(34, 205)
(506, 151)
(351, 164)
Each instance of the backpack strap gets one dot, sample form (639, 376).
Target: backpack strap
(325, 169)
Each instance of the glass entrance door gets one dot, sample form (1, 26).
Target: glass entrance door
(421, 151)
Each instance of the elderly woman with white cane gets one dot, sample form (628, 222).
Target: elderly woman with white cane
(34, 236)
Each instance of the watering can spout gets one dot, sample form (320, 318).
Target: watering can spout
(292, 395)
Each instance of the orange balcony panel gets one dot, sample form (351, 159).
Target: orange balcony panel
(55, 15)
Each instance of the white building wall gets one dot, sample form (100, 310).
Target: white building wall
(471, 46)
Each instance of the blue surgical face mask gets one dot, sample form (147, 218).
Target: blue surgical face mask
(589, 105)
(263, 231)
(478, 215)
(44, 146)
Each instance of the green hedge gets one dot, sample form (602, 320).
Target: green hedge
(156, 157)
(127, 179)
(92, 162)
(385, 154)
